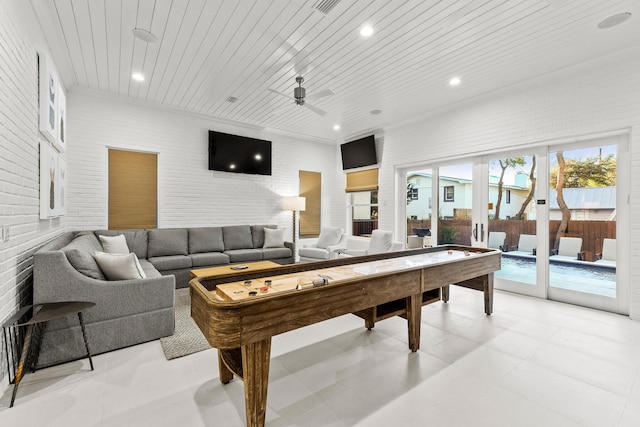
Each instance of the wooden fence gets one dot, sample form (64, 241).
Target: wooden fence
(591, 232)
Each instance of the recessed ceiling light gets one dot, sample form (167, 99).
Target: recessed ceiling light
(375, 112)
(144, 35)
(366, 31)
(614, 20)
(336, 127)
(139, 77)
(455, 81)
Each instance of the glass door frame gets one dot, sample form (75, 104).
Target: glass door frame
(480, 178)
(539, 290)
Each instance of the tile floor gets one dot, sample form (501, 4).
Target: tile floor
(532, 363)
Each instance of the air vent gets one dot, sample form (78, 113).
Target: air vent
(326, 6)
(232, 99)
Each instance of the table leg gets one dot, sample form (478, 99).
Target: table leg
(86, 342)
(255, 366)
(22, 364)
(414, 314)
(226, 374)
(445, 293)
(488, 293)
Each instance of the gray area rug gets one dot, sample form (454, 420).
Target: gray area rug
(187, 338)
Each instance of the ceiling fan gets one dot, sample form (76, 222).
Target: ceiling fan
(299, 95)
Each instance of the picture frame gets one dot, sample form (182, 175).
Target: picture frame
(50, 104)
(49, 181)
(62, 120)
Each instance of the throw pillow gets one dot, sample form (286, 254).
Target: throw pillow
(114, 244)
(273, 238)
(119, 266)
(329, 236)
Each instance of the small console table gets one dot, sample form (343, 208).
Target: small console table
(35, 326)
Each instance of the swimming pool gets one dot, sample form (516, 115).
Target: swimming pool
(577, 277)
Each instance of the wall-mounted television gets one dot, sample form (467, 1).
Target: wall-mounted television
(359, 153)
(239, 154)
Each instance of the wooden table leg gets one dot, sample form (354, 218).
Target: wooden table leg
(445, 293)
(414, 314)
(255, 366)
(488, 294)
(226, 374)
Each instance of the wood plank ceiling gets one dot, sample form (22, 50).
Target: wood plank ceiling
(209, 50)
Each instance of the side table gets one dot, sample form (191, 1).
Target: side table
(42, 313)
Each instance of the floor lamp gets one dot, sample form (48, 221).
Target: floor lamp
(294, 204)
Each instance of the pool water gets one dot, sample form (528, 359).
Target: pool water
(576, 277)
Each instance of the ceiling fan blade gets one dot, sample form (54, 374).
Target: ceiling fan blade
(315, 109)
(321, 94)
(279, 93)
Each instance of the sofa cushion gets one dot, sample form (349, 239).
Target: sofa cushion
(148, 268)
(315, 253)
(329, 236)
(209, 258)
(237, 237)
(136, 240)
(170, 262)
(114, 244)
(273, 238)
(257, 234)
(119, 266)
(168, 241)
(205, 239)
(80, 252)
(274, 253)
(243, 255)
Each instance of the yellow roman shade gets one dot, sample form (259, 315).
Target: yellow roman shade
(311, 189)
(366, 180)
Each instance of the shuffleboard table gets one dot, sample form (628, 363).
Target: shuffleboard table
(239, 312)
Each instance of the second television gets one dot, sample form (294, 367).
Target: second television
(239, 154)
(359, 153)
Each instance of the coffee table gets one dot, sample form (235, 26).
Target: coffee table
(232, 268)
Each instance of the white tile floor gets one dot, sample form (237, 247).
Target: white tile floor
(532, 363)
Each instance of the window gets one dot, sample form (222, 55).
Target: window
(364, 212)
(414, 194)
(448, 193)
(508, 196)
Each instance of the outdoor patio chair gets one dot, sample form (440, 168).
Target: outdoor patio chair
(496, 240)
(569, 249)
(608, 256)
(526, 246)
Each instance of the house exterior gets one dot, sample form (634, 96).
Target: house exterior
(456, 197)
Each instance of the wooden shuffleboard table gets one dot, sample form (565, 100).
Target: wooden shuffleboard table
(239, 312)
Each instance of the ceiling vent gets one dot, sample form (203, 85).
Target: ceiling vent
(326, 6)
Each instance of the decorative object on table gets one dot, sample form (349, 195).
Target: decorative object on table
(27, 357)
(294, 204)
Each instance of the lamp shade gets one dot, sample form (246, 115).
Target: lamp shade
(294, 203)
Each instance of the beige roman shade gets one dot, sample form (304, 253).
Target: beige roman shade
(310, 188)
(133, 190)
(366, 180)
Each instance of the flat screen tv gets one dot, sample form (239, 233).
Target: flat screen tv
(239, 154)
(359, 153)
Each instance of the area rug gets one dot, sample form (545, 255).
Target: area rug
(187, 338)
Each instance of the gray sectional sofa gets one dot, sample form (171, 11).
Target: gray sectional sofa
(133, 311)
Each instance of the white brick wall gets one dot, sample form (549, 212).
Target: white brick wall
(19, 173)
(188, 193)
(572, 104)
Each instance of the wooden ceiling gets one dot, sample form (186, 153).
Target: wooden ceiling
(210, 50)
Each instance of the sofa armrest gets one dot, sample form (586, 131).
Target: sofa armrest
(55, 279)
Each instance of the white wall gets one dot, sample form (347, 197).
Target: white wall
(567, 106)
(188, 193)
(20, 40)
